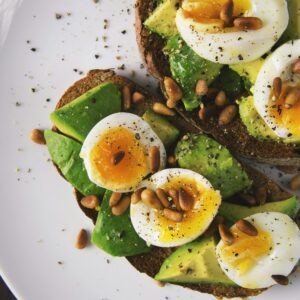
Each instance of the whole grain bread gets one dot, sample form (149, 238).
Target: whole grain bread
(234, 135)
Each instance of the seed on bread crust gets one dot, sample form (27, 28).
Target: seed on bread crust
(150, 198)
(228, 114)
(248, 23)
(121, 207)
(173, 215)
(280, 279)
(162, 109)
(226, 235)
(126, 97)
(154, 159)
(246, 227)
(81, 239)
(172, 161)
(90, 202)
(137, 196)
(221, 99)
(295, 183)
(114, 199)
(37, 136)
(201, 88)
(138, 97)
(173, 91)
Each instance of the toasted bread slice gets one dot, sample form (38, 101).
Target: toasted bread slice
(150, 263)
(234, 135)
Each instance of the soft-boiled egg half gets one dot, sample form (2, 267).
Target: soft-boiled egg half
(115, 152)
(199, 24)
(251, 261)
(151, 224)
(284, 121)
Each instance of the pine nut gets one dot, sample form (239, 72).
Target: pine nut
(226, 13)
(137, 97)
(118, 157)
(280, 279)
(90, 202)
(150, 198)
(172, 161)
(137, 196)
(221, 99)
(227, 114)
(174, 195)
(81, 239)
(206, 112)
(296, 67)
(37, 136)
(163, 197)
(154, 159)
(186, 201)
(126, 97)
(173, 215)
(171, 104)
(162, 109)
(261, 195)
(277, 86)
(249, 200)
(246, 227)
(295, 183)
(160, 283)
(248, 23)
(292, 98)
(172, 89)
(226, 235)
(121, 207)
(201, 88)
(114, 199)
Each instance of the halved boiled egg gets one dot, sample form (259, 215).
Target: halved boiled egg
(199, 24)
(115, 152)
(284, 121)
(156, 229)
(251, 261)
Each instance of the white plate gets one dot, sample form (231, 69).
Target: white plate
(39, 216)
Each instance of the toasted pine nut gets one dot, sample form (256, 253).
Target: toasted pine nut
(174, 195)
(160, 283)
(114, 199)
(246, 227)
(280, 279)
(172, 89)
(126, 97)
(137, 196)
(226, 235)
(173, 215)
(202, 113)
(221, 99)
(90, 202)
(118, 157)
(228, 114)
(201, 88)
(248, 23)
(249, 200)
(37, 136)
(295, 183)
(172, 161)
(150, 198)
(296, 67)
(162, 109)
(163, 197)
(81, 239)
(292, 98)
(121, 207)
(261, 195)
(277, 86)
(137, 97)
(226, 13)
(171, 104)
(154, 159)
(186, 201)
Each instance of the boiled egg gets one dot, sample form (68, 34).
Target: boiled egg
(151, 224)
(251, 261)
(199, 24)
(284, 122)
(115, 152)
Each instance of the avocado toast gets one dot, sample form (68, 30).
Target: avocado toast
(166, 55)
(151, 260)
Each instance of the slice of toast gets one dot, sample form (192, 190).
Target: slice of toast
(150, 263)
(234, 135)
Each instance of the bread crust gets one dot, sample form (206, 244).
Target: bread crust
(234, 135)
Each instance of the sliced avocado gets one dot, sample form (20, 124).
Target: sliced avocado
(77, 118)
(64, 153)
(166, 131)
(162, 19)
(207, 157)
(195, 262)
(293, 30)
(115, 234)
(233, 212)
(187, 68)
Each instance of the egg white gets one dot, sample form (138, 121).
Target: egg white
(278, 64)
(135, 124)
(237, 47)
(282, 258)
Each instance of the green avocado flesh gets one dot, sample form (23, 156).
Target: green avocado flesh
(77, 118)
(293, 30)
(166, 131)
(233, 212)
(187, 68)
(115, 234)
(64, 153)
(195, 262)
(207, 157)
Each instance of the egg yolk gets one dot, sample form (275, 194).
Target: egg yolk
(195, 221)
(130, 170)
(246, 250)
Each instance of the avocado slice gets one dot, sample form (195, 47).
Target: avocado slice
(195, 262)
(166, 131)
(115, 234)
(207, 157)
(233, 212)
(77, 118)
(64, 153)
(293, 30)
